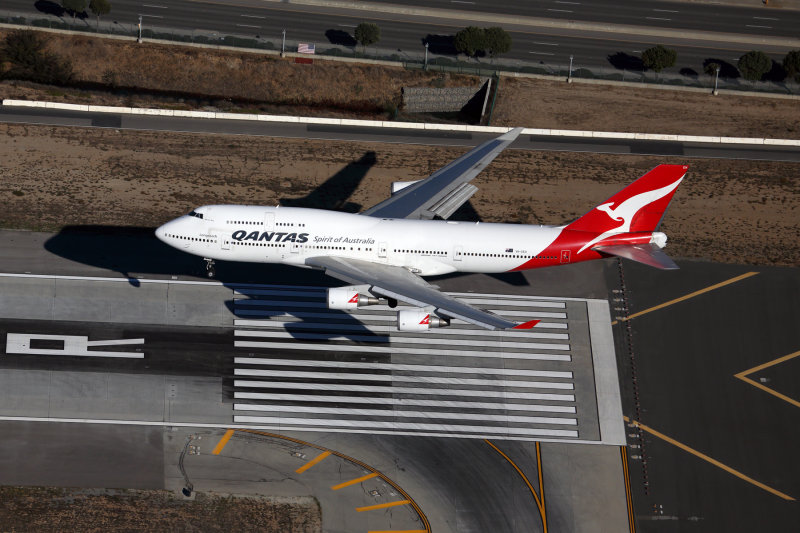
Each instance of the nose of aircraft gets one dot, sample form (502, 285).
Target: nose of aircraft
(161, 232)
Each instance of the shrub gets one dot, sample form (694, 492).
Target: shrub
(754, 64)
(658, 58)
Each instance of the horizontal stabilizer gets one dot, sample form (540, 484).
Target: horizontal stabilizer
(649, 254)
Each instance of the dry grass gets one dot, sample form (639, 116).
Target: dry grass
(56, 510)
(728, 211)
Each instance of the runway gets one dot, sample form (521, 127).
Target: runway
(362, 134)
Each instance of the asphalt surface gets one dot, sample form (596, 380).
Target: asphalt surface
(402, 135)
(405, 35)
(684, 359)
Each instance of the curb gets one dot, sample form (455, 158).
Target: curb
(399, 125)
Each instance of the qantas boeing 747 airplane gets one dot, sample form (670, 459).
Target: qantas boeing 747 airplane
(386, 250)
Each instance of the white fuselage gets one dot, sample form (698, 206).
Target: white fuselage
(289, 235)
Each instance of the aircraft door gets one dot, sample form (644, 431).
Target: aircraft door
(269, 220)
(382, 249)
(224, 241)
(458, 253)
(565, 256)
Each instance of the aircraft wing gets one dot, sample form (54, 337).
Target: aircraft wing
(398, 283)
(445, 190)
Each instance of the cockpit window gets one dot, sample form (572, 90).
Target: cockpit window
(196, 214)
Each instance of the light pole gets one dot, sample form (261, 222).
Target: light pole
(569, 76)
(426, 56)
(283, 43)
(139, 39)
(716, 79)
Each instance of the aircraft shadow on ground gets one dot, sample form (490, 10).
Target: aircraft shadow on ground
(335, 193)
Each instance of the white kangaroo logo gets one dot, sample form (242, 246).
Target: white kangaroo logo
(627, 210)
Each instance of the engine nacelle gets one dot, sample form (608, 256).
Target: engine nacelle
(398, 186)
(344, 298)
(419, 320)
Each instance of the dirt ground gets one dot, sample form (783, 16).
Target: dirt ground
(726, 211)
(237, 81)
(57, 510)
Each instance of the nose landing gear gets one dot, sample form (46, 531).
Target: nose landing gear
(210, 270)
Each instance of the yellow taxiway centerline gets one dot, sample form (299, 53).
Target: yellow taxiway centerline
(223, 441)
(743, 377)
(706, 458)
(686, 297)
(354, 481)
(382, 505)
(312, 462)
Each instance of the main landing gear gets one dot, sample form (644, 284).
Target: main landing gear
(210, 270)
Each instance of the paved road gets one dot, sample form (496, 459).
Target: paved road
(364, 134)
(404, 35)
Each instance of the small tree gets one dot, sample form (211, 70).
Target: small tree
(99, 7)
(367, 33)
(658, 58)
(754, 64)
(470, 40)
(711, 68)
(75, 6)
(497, 41)
(791, 64)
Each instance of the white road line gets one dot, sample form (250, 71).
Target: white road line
(403, 402)
(371, 424)
(275, 408)
(253, 16)
(384, 339)
(570, 3)
(405, 379)
(542, 53)
(763, 27)
(560, 10)
(546, 44)
(339, 327)
(418, 391)
(157, 7)
(330, 348)
(765, 18)
(404, 368)
(248, 26)
(461, 2)
(346, 25)
(322, 303)
(666, 11)
(374, 311)
(152, 16)
(657, 18)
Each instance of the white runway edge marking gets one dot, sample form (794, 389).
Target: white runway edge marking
(404, 368)
(401, 350)
(392, 340)
(368, 424)
(339, 327)
(74, 345)
(404, 414)
(420, 391)
(404, 402)
(160, 423)
(466, 382)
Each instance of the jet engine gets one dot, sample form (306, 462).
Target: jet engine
(419, 320)
(348, 298)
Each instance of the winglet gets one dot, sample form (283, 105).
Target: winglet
(526, 325)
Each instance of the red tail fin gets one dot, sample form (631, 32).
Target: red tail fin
(639, 206)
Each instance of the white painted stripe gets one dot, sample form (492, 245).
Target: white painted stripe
(761, 27)
(401, 350)
(406, 414)
(116, 342)
(471, 299)
(253, 16)
(542, 53)
(397, 340)
(71, 345)
(248, 26)
(118, 280)
(373, 313)
(404, 368)
(560, 10)
(656, 18)
(517, 303)
(372, 424)
(421, 391)
(281, 292)
(353, 318)
(285, 325)
(400, 402)
(467, 382)
(665, 10)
